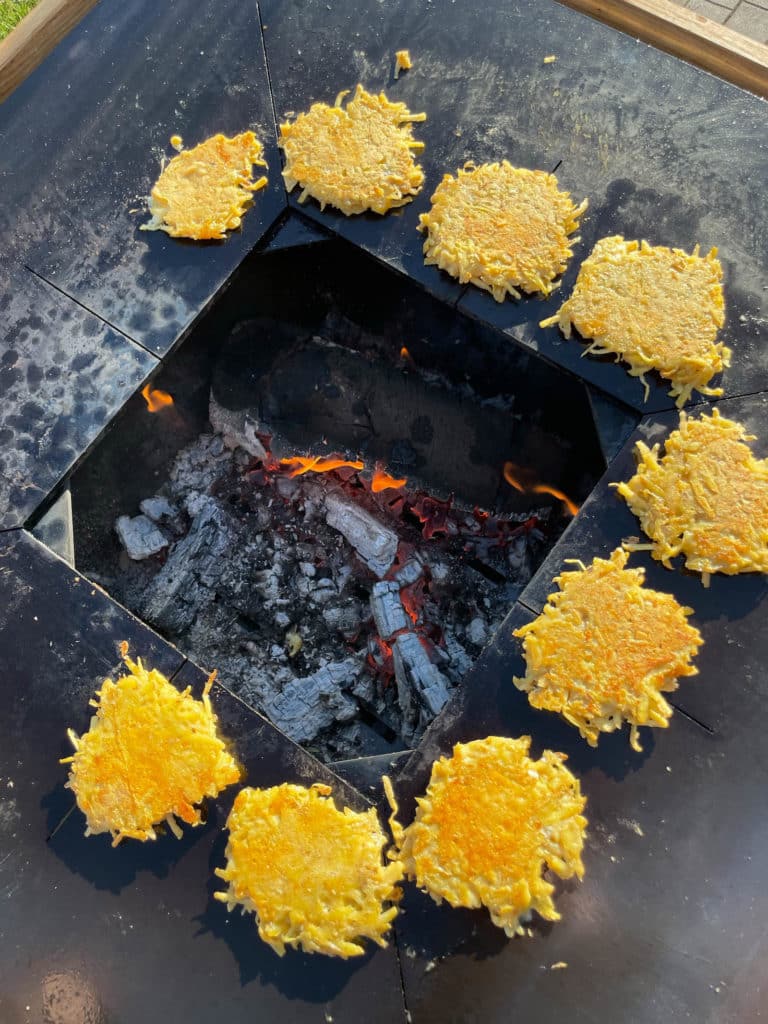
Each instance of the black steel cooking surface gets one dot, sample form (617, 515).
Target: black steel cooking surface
(315, 335)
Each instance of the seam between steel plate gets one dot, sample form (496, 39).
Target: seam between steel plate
(399, 956)
(271, 98)
(92, 312)
(702, 725)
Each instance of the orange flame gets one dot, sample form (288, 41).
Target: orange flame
(156, 400)
(572, 507)
(317, 464)
(405, 354)
(382, 481)
(522, 480)
(511, 478)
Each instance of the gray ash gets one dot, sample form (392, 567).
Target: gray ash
(346, 616)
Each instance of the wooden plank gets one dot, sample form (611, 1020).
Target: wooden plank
(687, 35)
(33, 39)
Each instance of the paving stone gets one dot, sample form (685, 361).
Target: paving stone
(715, 12)
(751, 20)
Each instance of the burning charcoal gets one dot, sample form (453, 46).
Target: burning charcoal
(519, 559)
(409, 573)
(158, 509)
(365, 688)
(324, 592)
(376, 544)
(345, 619)
(440, 571)
(186, 581)
(459, 661)
(477, 632)
(422, 689)
(286, 487)
(238, 428)
(140, 537)
(198, 466)
(195, 502)
(308, 705)
(267, 583)
(388, 612)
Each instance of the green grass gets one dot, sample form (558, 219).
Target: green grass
(11, 13)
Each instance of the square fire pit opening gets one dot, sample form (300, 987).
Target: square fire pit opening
(332, 492)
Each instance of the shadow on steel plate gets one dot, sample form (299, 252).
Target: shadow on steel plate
(94, 859)
(320, 978)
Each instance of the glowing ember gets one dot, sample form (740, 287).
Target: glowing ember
(412, 598)
(381, 662)
(406, 355)
(432, 513)
(522, 480)
(317, 464)
(382, 481)
(156, 400)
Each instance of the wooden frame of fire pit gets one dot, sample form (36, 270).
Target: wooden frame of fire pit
(688, 35)
(34, 37)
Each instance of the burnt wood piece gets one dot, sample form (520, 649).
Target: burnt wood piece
(669, 920)
(133, 933)
(663, 150)
(63, 375)
(101, 108)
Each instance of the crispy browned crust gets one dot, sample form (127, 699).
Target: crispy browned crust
(505, 229)
(313, 875)
(150, 755)
(606, 648)
(655, 308)
(706, 498)
(490, 824)
(203, 192)
(356, 158)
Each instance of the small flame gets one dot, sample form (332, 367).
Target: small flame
(156, 400)
(522, 480)
(383, 481)
(511, 478)
(317, 464)
(405, 354)
(572, 507)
